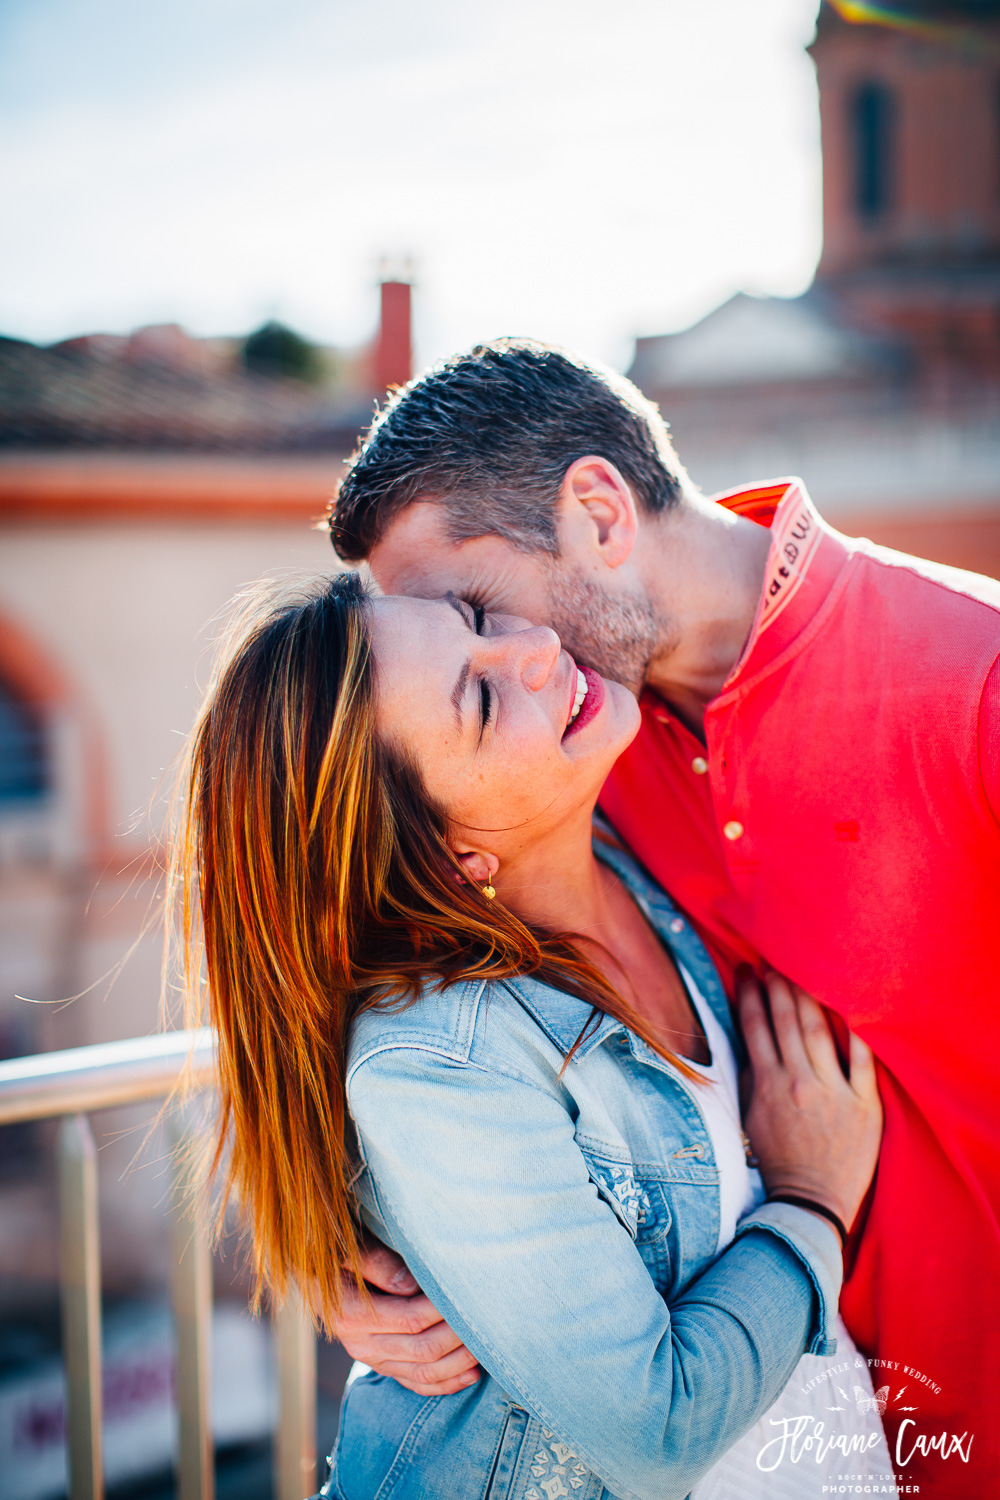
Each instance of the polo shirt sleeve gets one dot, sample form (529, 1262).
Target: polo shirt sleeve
(989, 738)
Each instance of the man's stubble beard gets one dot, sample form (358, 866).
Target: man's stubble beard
(616, 634)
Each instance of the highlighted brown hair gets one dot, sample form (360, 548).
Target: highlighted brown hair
(314, 879)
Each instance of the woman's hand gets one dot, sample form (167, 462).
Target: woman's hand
(815, 1132)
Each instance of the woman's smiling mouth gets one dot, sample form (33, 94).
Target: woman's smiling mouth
(587, 700)
(581, 693)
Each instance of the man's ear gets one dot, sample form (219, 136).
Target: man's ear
(597, 511)
(479, 866)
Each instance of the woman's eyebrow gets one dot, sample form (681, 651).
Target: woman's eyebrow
(458, 691)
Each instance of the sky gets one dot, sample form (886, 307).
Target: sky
(571, 169)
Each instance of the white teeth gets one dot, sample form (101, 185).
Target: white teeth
(581, 693)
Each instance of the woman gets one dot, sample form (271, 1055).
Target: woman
(447, 1014)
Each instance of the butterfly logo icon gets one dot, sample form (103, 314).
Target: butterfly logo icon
(871, 1403)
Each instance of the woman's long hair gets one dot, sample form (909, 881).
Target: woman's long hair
(313, 879)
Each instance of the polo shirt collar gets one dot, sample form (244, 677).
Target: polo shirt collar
(804, 560)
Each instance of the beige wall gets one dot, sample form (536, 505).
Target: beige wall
(127, 610)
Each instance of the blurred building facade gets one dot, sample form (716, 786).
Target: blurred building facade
(881, 385)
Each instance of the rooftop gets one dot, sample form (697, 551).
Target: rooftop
(763, 340)
(160, 389)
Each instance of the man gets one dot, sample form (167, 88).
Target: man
(816, 780)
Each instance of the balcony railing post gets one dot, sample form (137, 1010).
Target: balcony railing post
(192, 1286)
(80, 1272)
(295, 1445)
(101, 1077)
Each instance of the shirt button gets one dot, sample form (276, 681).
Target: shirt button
(677, 925)
(699, 765)
(733, 830)
(662, 718)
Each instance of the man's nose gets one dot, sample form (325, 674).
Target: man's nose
(538, 651)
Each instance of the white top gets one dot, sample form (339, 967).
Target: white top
(759, 1466)
(741, 1188)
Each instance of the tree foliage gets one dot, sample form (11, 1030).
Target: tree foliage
(277, 351)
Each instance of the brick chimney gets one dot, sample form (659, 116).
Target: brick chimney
(393, 347)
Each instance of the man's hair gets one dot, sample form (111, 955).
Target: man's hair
(490, 434)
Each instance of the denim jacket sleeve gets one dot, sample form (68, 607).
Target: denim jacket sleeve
(475, 1177)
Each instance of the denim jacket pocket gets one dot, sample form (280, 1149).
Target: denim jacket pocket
(636, 1198)
(505, 1460)
(532, 1464)
(477, 1445)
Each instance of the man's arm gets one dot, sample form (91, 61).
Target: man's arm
(989, 738)
(402, 1334)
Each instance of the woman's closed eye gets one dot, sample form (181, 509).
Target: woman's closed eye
(485, 694)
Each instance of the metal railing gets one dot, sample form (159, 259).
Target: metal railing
(71, 1084)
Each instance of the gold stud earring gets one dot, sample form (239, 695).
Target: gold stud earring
(488, 890)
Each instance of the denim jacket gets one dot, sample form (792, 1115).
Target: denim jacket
(567, 1228)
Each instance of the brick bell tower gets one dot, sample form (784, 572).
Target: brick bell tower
(910, 109)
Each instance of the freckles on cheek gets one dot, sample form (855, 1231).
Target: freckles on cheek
(476, 791)
(461, 789)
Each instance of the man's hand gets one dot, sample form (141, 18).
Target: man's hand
(403, 1335)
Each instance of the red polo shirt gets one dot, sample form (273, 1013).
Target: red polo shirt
(842, 823)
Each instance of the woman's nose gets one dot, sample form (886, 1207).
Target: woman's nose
(538, 651)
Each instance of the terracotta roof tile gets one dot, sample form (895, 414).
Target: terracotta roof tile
(72, 397)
